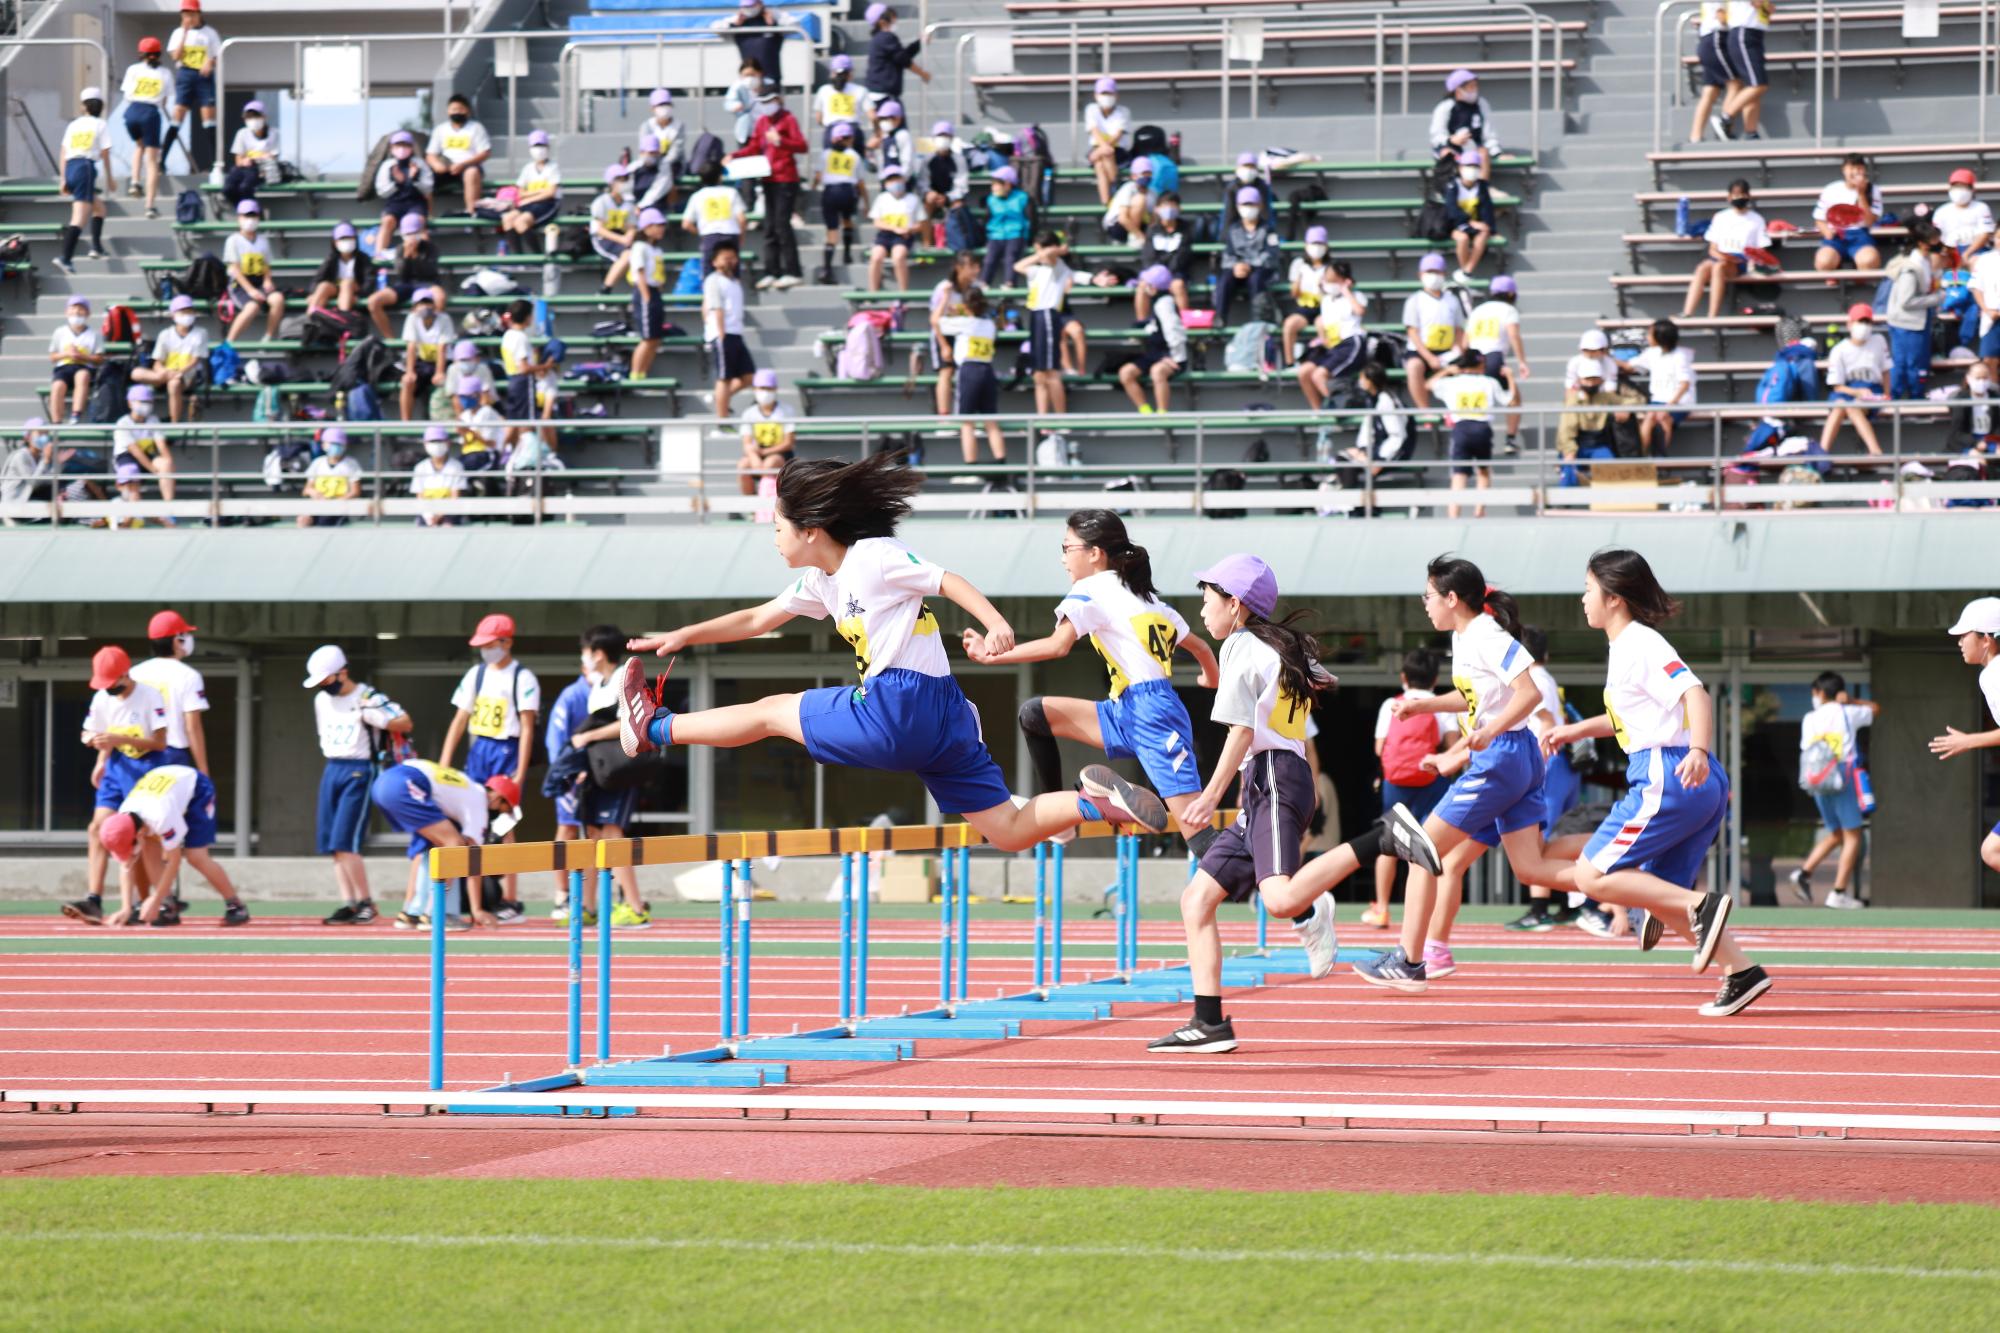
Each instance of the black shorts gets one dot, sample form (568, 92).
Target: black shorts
(1045, 339)
(730, 358)
(67, 374)
(1277, 805)
(1714, 73)
(396, 209)
(144, 123)
(1471, 442)
(1743, 53)
(256, 296)
(543, 211)
(1150, 357)
(518, 402)
(977, 389)
(649, 315)
(838, 204)
(887, 241)
(1341, 359)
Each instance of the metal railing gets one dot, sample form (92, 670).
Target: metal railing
(1200, 447)
(1670, 85)
(569, 83)
(1400, 25)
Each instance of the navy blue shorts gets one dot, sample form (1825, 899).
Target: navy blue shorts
(903, 721)
(1471, 442)
(201, 815)
(1045, 339)
(838, 204)
(80, 179)
(1714, 74)
(729, 356)
(66, 375)
(1500, 791)
(649, 315)
(1148, 722)
(887, 241)
(396, 209)
(343, 806)
(518, 402)
(977, 390)
(1658, 825)
(595, 809)
(145, 124)
(193, 88)
(1744, 49)
(120, 772)
(1419, 801)
(1277, 804)
(403, 794)
(488, 756)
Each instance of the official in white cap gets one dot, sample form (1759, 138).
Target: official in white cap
(1978, 633)
(360, 731)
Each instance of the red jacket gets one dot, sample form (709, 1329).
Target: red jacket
(783, 155)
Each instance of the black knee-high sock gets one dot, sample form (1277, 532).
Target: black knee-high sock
(167, 144)
(1034, 720)
(1198, 841)
(96, 233)
(1368, 846)
(826, 255)
(69, 239)
(1208, 1009)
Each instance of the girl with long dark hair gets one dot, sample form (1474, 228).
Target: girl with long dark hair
(1112, 600)
(836, 524)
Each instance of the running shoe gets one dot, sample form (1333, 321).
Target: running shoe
(1123, 802)
(89, 910)
(1562, 915)
(62, 265)
(1739, 991)
(1595, 921)
(343, 915)
(1438, 961)
(166, 918)
(624, 918)
(635, 709)
(1650, 932)
(1802, 885)
(1374, 917)
(1534, 919)
(1706, 921)
(1841, 898)
(364, 911)
(509, 913)
(453, 923)
(1394, 970)
(560, 912)
(236, 914)
(1316, 934)
(1196, 1038)
(408, 921)
(1407, 841)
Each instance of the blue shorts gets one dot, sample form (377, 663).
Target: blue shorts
(1840, 810)
(1561, 790)
(1500, 791)
(1841, 395)
(201, 815)
(176, 754)
(729, 357)
(594, 808)
(80, 179)
(888, 242)
(1419, 801)
(838, 203)
(343, 806)
(1714, 74)
(1148, 722)
(193, 88)
(1849, 242)
(120, 773)
(1742, 51)
(1989, 341)
(403, 795)
(906, 722)
(1658, 825)
(144, 124)
(489, 756)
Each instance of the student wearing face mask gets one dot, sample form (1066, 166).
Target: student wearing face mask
(722, 330)
(1107, 125)
(540, 184)
(1434, 323)
(583, 810)
(948, 301)
(1302, 284)
(437, 476)
(891, 143)
(842, 193)
(417, 270)
(146, 90)
(345, 280)
(251, 281)
(768, 431)
(897, 214)
(1494, 327)
(358, 729)
(1340, 340)
(759, 33)
(404, 183)
(1009, 223)
(86, 178)
(1670, 384)
(1975, 416)
(427, 338)
(458, 149)
(1914, 295)
(1125, 216)
(777, 138)
(1464, 120)
(192, 50)
(332, 476)
(739, 101)
(481, 431)
(888, 56)
(1165, 353)
(646, 270)
(28, 476)
(497, 702)
(1249, 171)
(840, 98)
(186, 694)
(127, 729)
(1732, 234)
(76, 349)
(1170, 245)
(139, 449)
(662, 154)
(1857, 371)
(1470, 197)
(1250, 254)
(1964, 224)
(253, 145)
(612, 215)
(180, 359)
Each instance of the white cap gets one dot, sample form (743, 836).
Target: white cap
(92, 94)
(1593, 340)
(326, 661)
(1980, 616)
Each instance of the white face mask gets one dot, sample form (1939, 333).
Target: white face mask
(492, 654)
(1468, 174)
(184, 320)
(896, 186)
(255, 124)
(1960, 194)
(249, 226)
(1106, 101)
(539, 152)
(185, 643)
(1315, 250)
(663, 114)
(766, 397)
(345, 247)
(140, 411)
(1432, 282)
(78, 321)
(402, 152)
(1168, 212)
(1861, 331)
(1246, 174)
(1249, 213)
(1978, 388)
(589, 669)
(437, 449)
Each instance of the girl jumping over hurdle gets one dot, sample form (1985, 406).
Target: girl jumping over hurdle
(1112, 600)
(836, 524)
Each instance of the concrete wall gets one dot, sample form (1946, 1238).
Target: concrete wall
(1926, 829)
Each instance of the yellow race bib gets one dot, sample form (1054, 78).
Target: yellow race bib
(252, 264)
(458, 143)
(489, 717)
(471, 441)
(841, 164)
(979, 348)
(130, 752)
(767, 434)
(1470, 719)
(840, 106)
(154, 783)
(615, 219)
(80, 141)
(1471, 400)
(147, 87)
(1289, 715)
(193, 57)
(1617, 725)
(332, 486)
(717, 208)
(179, 361)
(451, 777)
(434, 491)
(1440, 337)
(1485, 329)
(856, 635)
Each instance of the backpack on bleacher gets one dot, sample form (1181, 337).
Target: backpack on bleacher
(860, 356)
(187, 208)
(365, 362)
(1034, 162)
(363, 403)
(1246, 347)
(963, 230)
(327, 326)
(107, 395)
(1148, 140)
(707, 148)
(225, 364)
(688, 283)
(1166, 174)
(121, 325)
(205, 278)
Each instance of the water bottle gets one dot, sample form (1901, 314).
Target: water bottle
(1864, 790)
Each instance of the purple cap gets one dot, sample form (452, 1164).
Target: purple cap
(34, 423)
(1008, 174)
(1246, 159)
(432, 434)
(333, 435)
(539, 139)
(661, 97)
(1471, 157)
(1315, 235)
(764, 379)
(253, 108)
(842, 65)
(465, 350)
(79, 303)
(411, 224)
(248, 208)
(1458, 78)
(841, 129)
(138, 393)
(1107, 84)
(344, 232)
(1159, 277)
(1249, 194)
(649, 142)
(1432, 263)
(617, 171)
(652, 217)
(749, 4)
(1142, 166)
(892, 169)
(403, 137)
(874, 13)
(431, 294)
(180, 303)
(889, 108)
(1504, 286)
(1247, 579)
(941, 128)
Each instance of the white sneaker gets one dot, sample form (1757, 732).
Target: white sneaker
(1317, 935)
(1461, 277)
(560, 912)
(767, 282)
(1840, 899)
(787, 282)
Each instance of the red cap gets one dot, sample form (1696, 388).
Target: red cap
(166, 624)
(1860, 311)
(149, 46)
(108, 666)
(510, 790)
(1963, 176)
(190, 6)
(491, 629)
(118, 834)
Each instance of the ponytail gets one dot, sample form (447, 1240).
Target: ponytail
(1462, 579)
(1299, 671)
(1106, 531)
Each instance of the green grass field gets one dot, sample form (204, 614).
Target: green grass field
(293, 1252)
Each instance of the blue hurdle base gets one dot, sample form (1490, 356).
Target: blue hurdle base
(825, 1048)
(981, 1028)
(1028, 1008)
(669, 1073)
(552, 1083)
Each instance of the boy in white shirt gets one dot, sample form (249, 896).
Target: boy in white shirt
(180, 353)
(75, 351)
(146, 88)
(646, 270)
(842, 191)
(437, 476)
(1670, 383)
(612, 214)
(897, 215)
(86, 178)
(185, 692)
(769, 434)
(248, 258)
(248, 151)
(331, 476)
(1827, 735)
(840, 98)
(497, 701)
(540, 184)
(722, 330)
(139, 449)
(427, 337)
(192, 49)
(715, 214)
(1106, 123)
(1469, 391)
(1494, 327)
(662, 185)
(358, 726)
(1963, 222)
(458, 150)
(1857, 370)
(1125, 216)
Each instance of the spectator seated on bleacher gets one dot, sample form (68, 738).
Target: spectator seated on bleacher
(427, 338)
(437, 476)
(1731, 236)
(1792, 377)
(888, 56)
(839, 98)
(331, 475)
(540, 186)
(1164, 354)
(890, 144)
(76, 350)
(482, 434)
(975, 339)
(1434, 322)
(1125, 216)
(1463, 120)
(1846, 214)
(1593, 359)
(1493, 329)
(253, 287)
(842, 192)
(1169, 245)
(1008, 226)
(404, 183)
(1302, 288)
(1915, 292)
(252, 147)
(466, 365)
(1384, 432)
(777, 139)
(1670, 384)
(668, 153)
(611, 215)
(1106, 126)
(1471, 197)
(180, 359)
(898, 216)
(1857, 371)
(29, 473)
(139, 450)
(948, 301)
(759, 33)
(458, 150)
(1597, 434)
(1249, 173)
(1964, 223)
(1251, 249)
(345, 279)
(947, 181)
(1340, 340)
(416, 269)
(1975, 417)
(770, 435)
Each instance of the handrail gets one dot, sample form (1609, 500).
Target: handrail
(1415, 15)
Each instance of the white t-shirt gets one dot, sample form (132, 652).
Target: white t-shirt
(1643, 686)
(160, 801)
(1985, 280)
(84, 137)
(1338, 319)
(175, 352)
(647, 260)
(840, 166)
(246, 144)
(1303, 278)
(183, 689)
(1249, 694)
(1835, 723)
(344, 720)
(1552, 702)
(1840, 192)
(1048, 285)
(843, 103)
(503, 694)
(140, 712)
(973, 339)
(1135, 637)
(250, 258)
(876, 601)
(431, 340)
(766, 430)
(1447, 723)
(432, 480)
(715, 210)
(1123, 198)
(145, 85)
(1711, 17)
(539, 176)
(1437, 319)
(1989, 685)
(1749, 13)
(462, 800)
(611, 216)
(900, 213)
(132, 436)
(456, 143)
(193, 47)
(517, 351)
(1106, 126)
(333, 479)
(667, 136)
(480, 429)
(1470, 397)
(721, 305)
(1959, 225)
(1733, 232)
(67, 342)
(1486, 328)
(1858, 363)
(1485, 662)
(1666, 373)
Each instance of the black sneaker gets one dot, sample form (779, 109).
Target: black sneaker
(1404, 835)
(1650, 932)
(167, 917)
(1739, 991)
(1707, 920)
(236, 914)
(408, 921)
(364, 912)
(1564, 915)
(89, 910)
(1802, 885)
(344, 915)
(1534, 919)
(1197, 1038)
(176, 903)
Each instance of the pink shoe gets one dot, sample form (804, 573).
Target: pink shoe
(635, 709)
(1438, 961)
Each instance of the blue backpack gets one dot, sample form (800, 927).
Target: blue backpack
(1166, 174)
(1790, 378)
(225, 366)
(689, 282)
(187, 208)
(363, 404)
